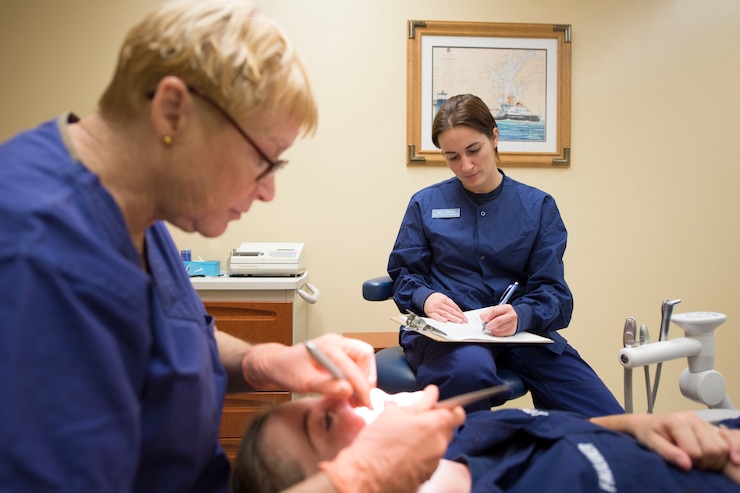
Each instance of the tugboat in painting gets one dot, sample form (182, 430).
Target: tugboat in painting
(511, 110)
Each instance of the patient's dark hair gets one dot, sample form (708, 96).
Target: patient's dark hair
(463, 109)
(257, 469)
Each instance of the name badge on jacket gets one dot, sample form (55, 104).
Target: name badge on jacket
(445, 213)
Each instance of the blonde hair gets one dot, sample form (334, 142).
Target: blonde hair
(239, 57)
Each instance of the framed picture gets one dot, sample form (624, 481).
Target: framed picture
(522, 71)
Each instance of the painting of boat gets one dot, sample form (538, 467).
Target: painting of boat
(511, 110)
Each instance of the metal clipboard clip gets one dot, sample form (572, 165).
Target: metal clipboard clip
(417, 323)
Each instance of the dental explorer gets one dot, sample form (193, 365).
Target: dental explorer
(319, 356)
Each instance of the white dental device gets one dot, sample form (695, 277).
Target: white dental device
(699, 382)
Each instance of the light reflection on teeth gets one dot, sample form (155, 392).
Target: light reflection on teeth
(378, 398)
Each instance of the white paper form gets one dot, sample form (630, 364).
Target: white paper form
(471, 331)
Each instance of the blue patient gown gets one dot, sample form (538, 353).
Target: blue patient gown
(526, 451)
(110, 379)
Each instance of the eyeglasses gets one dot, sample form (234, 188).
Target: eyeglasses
(272, 166)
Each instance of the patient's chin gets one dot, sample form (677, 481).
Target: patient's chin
(450, 477)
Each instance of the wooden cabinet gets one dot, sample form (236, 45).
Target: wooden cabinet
(255, 321)
(255, 310)
(378, 340)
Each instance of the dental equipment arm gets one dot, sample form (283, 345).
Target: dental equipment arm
(699, 382)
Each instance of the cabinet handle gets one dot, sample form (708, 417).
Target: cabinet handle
(310, 296)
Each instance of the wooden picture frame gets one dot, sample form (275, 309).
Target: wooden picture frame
(522, 71)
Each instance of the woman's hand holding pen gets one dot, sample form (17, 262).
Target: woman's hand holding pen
(499, 320)
(442, 309)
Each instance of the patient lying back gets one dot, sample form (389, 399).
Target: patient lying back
(505, 450)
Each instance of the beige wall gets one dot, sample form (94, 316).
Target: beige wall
(650, 199)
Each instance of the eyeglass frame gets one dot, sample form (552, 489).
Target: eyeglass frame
(272, 166)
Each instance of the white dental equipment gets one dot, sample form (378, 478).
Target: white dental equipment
(699, 382)
(267, 260)
(628, 340)
(257, 259)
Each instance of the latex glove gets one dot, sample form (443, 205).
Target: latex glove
(397, 452)
(276, 366)
(441, 308)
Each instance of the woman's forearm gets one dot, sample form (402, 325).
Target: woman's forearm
(231, 350)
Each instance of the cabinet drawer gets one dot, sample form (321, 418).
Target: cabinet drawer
(254, 322)
(239, 409)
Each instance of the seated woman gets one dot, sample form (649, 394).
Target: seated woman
(508, 450)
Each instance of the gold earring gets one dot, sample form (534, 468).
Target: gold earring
(167, 140)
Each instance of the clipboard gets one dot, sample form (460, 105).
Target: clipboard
(471, 331)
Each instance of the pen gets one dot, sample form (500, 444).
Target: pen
(508, 292)
(322, 359)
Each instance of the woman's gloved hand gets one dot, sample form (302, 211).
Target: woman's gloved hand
(398, 451)
(276, 366)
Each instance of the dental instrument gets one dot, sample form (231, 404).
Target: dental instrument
(470, 397)
(379, 398)
(628, 340)
(319, 356)
(699, 381)
(666, 310)
(645, 339)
